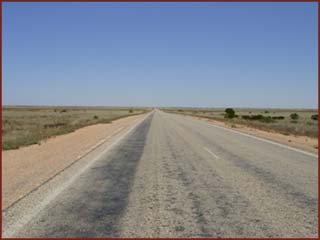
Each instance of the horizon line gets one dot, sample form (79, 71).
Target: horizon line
(141, 106)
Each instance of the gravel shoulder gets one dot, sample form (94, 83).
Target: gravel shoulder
(27, 168)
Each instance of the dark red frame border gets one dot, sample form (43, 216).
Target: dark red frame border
(160, 1)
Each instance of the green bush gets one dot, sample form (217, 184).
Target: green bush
(278, 117)
(95, 117)
(314, 117)
(229, 113)
(294, 116)
(252, 117)
(267, 119)
(258, 117)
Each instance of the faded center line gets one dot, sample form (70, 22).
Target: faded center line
(209, 151)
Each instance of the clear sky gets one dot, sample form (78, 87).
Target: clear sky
(161, 54)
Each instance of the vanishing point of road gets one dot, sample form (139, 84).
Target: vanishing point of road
(176, 176)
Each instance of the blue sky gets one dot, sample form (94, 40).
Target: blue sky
(160, 54)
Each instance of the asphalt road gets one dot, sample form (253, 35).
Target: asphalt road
(175, 176)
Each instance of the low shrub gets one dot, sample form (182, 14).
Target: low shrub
(314, 117)
(229, 113)
(258, 117)
(252, 117)
(55, 125)
(278, 117)
(267, 119)
(294, 116)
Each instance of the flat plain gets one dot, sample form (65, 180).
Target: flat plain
(176, 176)
(22, 126)
(303, 126)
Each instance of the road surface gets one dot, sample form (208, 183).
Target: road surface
(175, 176)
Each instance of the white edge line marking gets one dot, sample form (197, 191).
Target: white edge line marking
(21, 222)
(261, 139)
(208, 150)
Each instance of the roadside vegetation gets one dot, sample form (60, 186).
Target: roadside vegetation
(23, 126)
(297, 122)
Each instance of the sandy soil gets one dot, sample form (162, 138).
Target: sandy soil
(302, 142)
(27, 168)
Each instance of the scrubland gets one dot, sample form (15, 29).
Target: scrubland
(275, 120)
(23, 126)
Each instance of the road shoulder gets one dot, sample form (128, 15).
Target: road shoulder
(16, 216)
(26, 168)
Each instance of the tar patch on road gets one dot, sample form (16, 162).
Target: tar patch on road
(94, 205)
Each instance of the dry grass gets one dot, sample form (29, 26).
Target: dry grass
(304, 126)
(23, 126)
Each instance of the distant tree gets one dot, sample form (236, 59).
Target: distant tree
(130, 111)
(294, 116)
(314, 117)
(230, 113)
